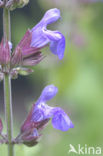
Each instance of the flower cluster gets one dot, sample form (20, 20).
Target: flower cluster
(28, 53)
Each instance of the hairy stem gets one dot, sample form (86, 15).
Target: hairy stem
(7, 84)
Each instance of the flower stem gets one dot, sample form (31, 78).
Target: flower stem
(6, 25)
(7, 84)
(8, 112)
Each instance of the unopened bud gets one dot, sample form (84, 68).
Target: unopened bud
(24, 71)
(1, 3)
(22, 3)
(21, 71)
(13, 4)
(4, 53)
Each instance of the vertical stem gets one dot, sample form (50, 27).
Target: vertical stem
(7, 84)
(8, 112)
(6, 25)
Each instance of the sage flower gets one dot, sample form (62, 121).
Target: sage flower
(41, 36)
(28, 51)
(41, 113)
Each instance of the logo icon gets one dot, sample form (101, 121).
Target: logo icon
(85, 150)
(72, 149)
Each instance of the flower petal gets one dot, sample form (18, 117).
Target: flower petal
(58, 47)
(37, 115)
(41, 111)
(38, 37)
(61, 121)
(51, 16)
(41, 36)
(48, 93)
(57, 42)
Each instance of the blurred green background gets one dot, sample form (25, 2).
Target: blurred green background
(79, 76)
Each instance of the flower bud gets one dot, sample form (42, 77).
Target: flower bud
(13, 4)
(4, 53)
(22, 3)
(1, 3)
(24, 71)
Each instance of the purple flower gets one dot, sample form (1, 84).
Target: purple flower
(41, 36)
(28, 51)
(39, 116)
(42, 111)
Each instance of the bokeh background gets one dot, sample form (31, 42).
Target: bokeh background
(79, 76)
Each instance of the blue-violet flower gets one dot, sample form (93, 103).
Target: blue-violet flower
(41, 36)
(27, 52)
(41, 112)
